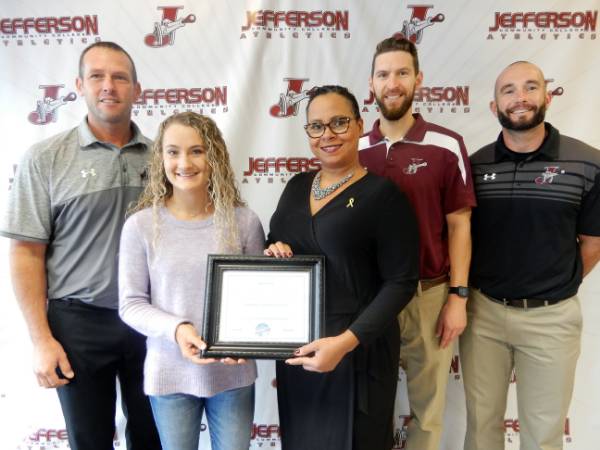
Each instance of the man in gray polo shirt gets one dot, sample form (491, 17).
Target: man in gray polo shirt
(64, 218)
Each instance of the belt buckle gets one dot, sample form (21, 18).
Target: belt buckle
(524, 303)
(515, 303)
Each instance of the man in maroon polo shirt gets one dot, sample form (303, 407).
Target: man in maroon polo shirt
(430, 164)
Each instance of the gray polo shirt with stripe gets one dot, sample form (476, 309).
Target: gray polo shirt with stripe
(71, 192)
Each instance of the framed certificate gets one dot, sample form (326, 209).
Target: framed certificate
(261, 307)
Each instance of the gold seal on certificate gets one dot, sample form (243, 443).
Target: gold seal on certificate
(262, 307)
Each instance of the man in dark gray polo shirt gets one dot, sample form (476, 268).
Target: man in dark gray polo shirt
(64, 217)
(536, 234)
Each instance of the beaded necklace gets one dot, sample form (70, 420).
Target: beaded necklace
(319, 193)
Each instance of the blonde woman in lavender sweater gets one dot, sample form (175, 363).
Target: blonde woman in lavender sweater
(190, 208)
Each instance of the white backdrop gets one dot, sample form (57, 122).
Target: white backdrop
(247, 64)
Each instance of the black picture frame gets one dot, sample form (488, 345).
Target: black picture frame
(219, 265)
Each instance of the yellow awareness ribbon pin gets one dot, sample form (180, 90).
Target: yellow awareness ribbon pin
(350, 203)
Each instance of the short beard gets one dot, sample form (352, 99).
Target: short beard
(398, 113)
(537, 118)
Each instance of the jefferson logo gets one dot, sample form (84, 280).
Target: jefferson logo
(433, 99)
(48, 436)
(36, 31)
(413, 29)
(46, 110)
(164, 31)
(296, 24)
(43, 438)
(264, 435)
(290, 101)
(512, 429)
(547, 177)
(164, 102)
(281, 168)
(455, 367)
(551, 25)
(414, 166)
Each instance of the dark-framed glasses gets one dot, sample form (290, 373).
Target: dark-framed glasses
(337, 125)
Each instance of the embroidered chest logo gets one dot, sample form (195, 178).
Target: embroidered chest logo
(88, 173)
(489, 176)
(548, 175)
(414, 166)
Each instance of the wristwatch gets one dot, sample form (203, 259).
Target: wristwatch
(461, 291)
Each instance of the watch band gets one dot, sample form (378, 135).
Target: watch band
(461, 291)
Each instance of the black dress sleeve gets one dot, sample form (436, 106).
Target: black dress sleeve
(397, 247)
(288, 203)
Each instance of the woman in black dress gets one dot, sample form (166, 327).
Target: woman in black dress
(338, 392)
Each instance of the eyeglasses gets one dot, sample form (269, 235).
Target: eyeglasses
(337, 125)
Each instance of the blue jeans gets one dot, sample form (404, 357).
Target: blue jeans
(178, 418)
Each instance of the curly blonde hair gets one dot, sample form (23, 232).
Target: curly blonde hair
(223, 192)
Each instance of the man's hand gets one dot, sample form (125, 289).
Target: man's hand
(48, 355)
(453, 316)
(452, 320)
(590, 251)
(28, 274)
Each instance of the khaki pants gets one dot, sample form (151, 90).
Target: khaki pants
(426, 365)
(542, 344)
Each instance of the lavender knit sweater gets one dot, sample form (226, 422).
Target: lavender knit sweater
(159, 290)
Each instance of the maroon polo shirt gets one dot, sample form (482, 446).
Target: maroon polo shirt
(431, 166)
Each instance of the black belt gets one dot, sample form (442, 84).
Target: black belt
(81, 304)
(524, 303)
